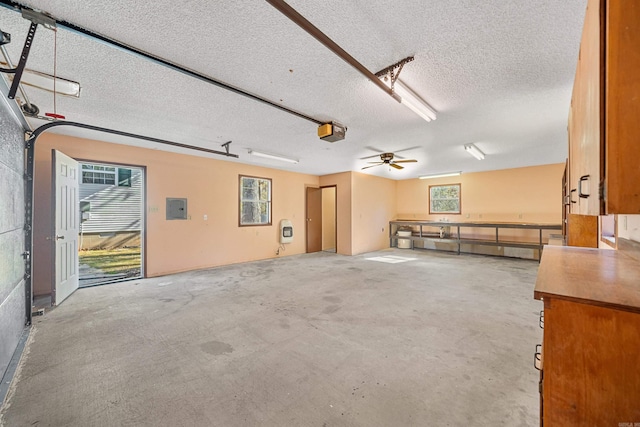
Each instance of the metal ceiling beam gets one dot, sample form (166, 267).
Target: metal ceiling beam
(48, 126)
(160, 61)
(303, 23)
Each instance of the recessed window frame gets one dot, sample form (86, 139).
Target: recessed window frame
(432, 188)
(268, 202)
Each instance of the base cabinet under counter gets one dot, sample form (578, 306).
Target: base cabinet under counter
(591, 340)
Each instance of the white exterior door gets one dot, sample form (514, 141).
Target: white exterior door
(66, 177)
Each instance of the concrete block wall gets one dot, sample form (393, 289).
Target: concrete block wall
(12, 292)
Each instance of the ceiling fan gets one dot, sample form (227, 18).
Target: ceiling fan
(387, 159)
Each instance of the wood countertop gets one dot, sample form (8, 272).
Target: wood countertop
(607, 278)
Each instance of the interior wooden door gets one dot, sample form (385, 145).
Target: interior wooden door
(314, 219)
(66, 183)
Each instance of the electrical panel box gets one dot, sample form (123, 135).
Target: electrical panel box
(286, 231)
(176, 208)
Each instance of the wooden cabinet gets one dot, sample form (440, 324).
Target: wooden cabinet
(565, 200)
(591, 341)
(604, 135)
(586, 117)
(582, 231)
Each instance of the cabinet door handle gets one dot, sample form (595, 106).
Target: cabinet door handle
(571, 196)
(582, 179)
(537, 357)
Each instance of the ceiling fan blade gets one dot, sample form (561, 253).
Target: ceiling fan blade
(378, 163)
(407, 149)
(367, 167)
(375, 155)
(405, 161)
(393, 165)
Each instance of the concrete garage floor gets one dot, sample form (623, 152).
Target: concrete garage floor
(307, 340)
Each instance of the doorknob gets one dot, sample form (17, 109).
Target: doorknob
(59, 237)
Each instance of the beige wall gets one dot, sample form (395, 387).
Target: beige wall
(364, 205)
(211, 187)
(531, 194)
(373, 206)
(328, 218)
(342, 181)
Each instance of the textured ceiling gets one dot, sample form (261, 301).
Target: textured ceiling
(499, 73)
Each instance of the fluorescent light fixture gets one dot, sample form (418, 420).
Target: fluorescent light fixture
(272, 156)
(474, 151)
(412, 101)
(440, 175)
(45, 81)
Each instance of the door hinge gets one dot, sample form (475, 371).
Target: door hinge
(26, 255)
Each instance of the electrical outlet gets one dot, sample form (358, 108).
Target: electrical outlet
(205, 217)
(519, 216)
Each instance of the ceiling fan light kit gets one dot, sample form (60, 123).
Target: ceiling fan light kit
(387, 159)
(474, 151)
(440, 175)
(272, 156)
